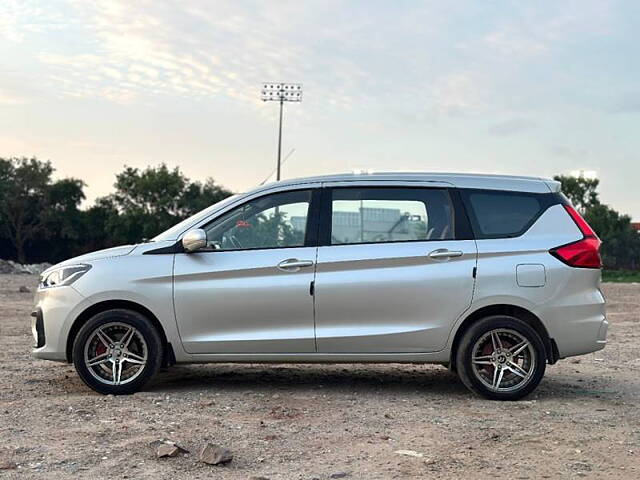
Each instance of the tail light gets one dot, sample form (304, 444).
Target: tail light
(584, 253)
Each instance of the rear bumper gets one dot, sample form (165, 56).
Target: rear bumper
(602, 334)
(572, 308)
(577, 329)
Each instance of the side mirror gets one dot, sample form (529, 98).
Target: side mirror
(194, 240)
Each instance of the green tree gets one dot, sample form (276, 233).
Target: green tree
(581, 191)
(40, 218)
(34, 208)
(63, 232)
(24, 184)
(198, 196)
(151, 200)
(98, 224)
(620, 243)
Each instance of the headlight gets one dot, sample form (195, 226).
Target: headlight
(63, 275)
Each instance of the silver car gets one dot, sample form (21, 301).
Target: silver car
(493, 276)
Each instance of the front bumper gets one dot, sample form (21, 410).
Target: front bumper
(51, 321)
(37, 328)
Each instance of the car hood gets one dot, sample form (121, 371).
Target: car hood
(98, 255)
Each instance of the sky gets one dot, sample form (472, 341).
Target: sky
(526, 88)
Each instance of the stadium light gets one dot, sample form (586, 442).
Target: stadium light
(281, 92)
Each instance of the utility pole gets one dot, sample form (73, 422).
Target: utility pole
(281, 92)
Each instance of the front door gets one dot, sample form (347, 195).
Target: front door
(392, 275)
(249, 290)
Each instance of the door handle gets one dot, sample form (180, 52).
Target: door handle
(293, 264)
(445, 253)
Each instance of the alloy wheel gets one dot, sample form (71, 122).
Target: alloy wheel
(115, 353)
(503, 360)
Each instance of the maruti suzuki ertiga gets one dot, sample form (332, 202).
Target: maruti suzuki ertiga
(494, 276)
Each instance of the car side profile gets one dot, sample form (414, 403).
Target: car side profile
(493, 276)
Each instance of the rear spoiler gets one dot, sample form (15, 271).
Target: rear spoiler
(553, 185)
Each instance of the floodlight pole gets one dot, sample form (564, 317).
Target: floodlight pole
(280, 138)
(281, 92)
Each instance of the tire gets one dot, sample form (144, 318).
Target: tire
(505, 367)
(117, 351)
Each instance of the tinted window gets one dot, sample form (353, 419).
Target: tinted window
(503, 214)
(278, 220)
(373, 215)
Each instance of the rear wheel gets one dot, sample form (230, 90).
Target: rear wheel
(501, 358)
(117, 352)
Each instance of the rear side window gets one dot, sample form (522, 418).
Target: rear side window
(382, 215)
(499, 214)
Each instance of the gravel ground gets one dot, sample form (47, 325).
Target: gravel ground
(321, 421)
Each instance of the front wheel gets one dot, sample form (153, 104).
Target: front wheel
(501, 358)
(117, 352)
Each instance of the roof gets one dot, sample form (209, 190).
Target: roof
(462, 180)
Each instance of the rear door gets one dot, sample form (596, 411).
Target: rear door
(394, 269)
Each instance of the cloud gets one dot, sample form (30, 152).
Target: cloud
(123, 51)
(17, 89)
(133, 49)
(11, 99)
(21, 18)
(534, 32)
(126, 50)
(570, 152)
(512, 126)
(627, 103)
(458, 93)
(514, 42)
(346, 55)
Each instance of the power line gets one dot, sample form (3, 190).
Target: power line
(274, 170)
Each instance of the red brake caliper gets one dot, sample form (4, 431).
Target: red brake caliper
(100, 349)
(488, 350)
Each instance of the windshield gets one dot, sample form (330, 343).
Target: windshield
(173, 232)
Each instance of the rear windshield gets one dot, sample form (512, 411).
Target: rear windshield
(500, 214)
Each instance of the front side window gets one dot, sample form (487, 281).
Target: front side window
(374, 215)
(273, 221)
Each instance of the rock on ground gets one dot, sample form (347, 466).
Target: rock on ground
(215, 454)
(168, 450)
(15, 268)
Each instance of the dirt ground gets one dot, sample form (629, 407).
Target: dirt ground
(322, 421)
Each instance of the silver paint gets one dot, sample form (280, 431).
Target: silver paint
(387, 302)
(194, 240)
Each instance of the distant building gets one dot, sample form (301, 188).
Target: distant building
(372, 224)
(636, 226)
(375, 225)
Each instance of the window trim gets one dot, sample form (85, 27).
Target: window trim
(462, 227)
(546, 200)
(311, 233)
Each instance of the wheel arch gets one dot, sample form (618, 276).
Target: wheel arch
(551, 349)
(89, 312)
